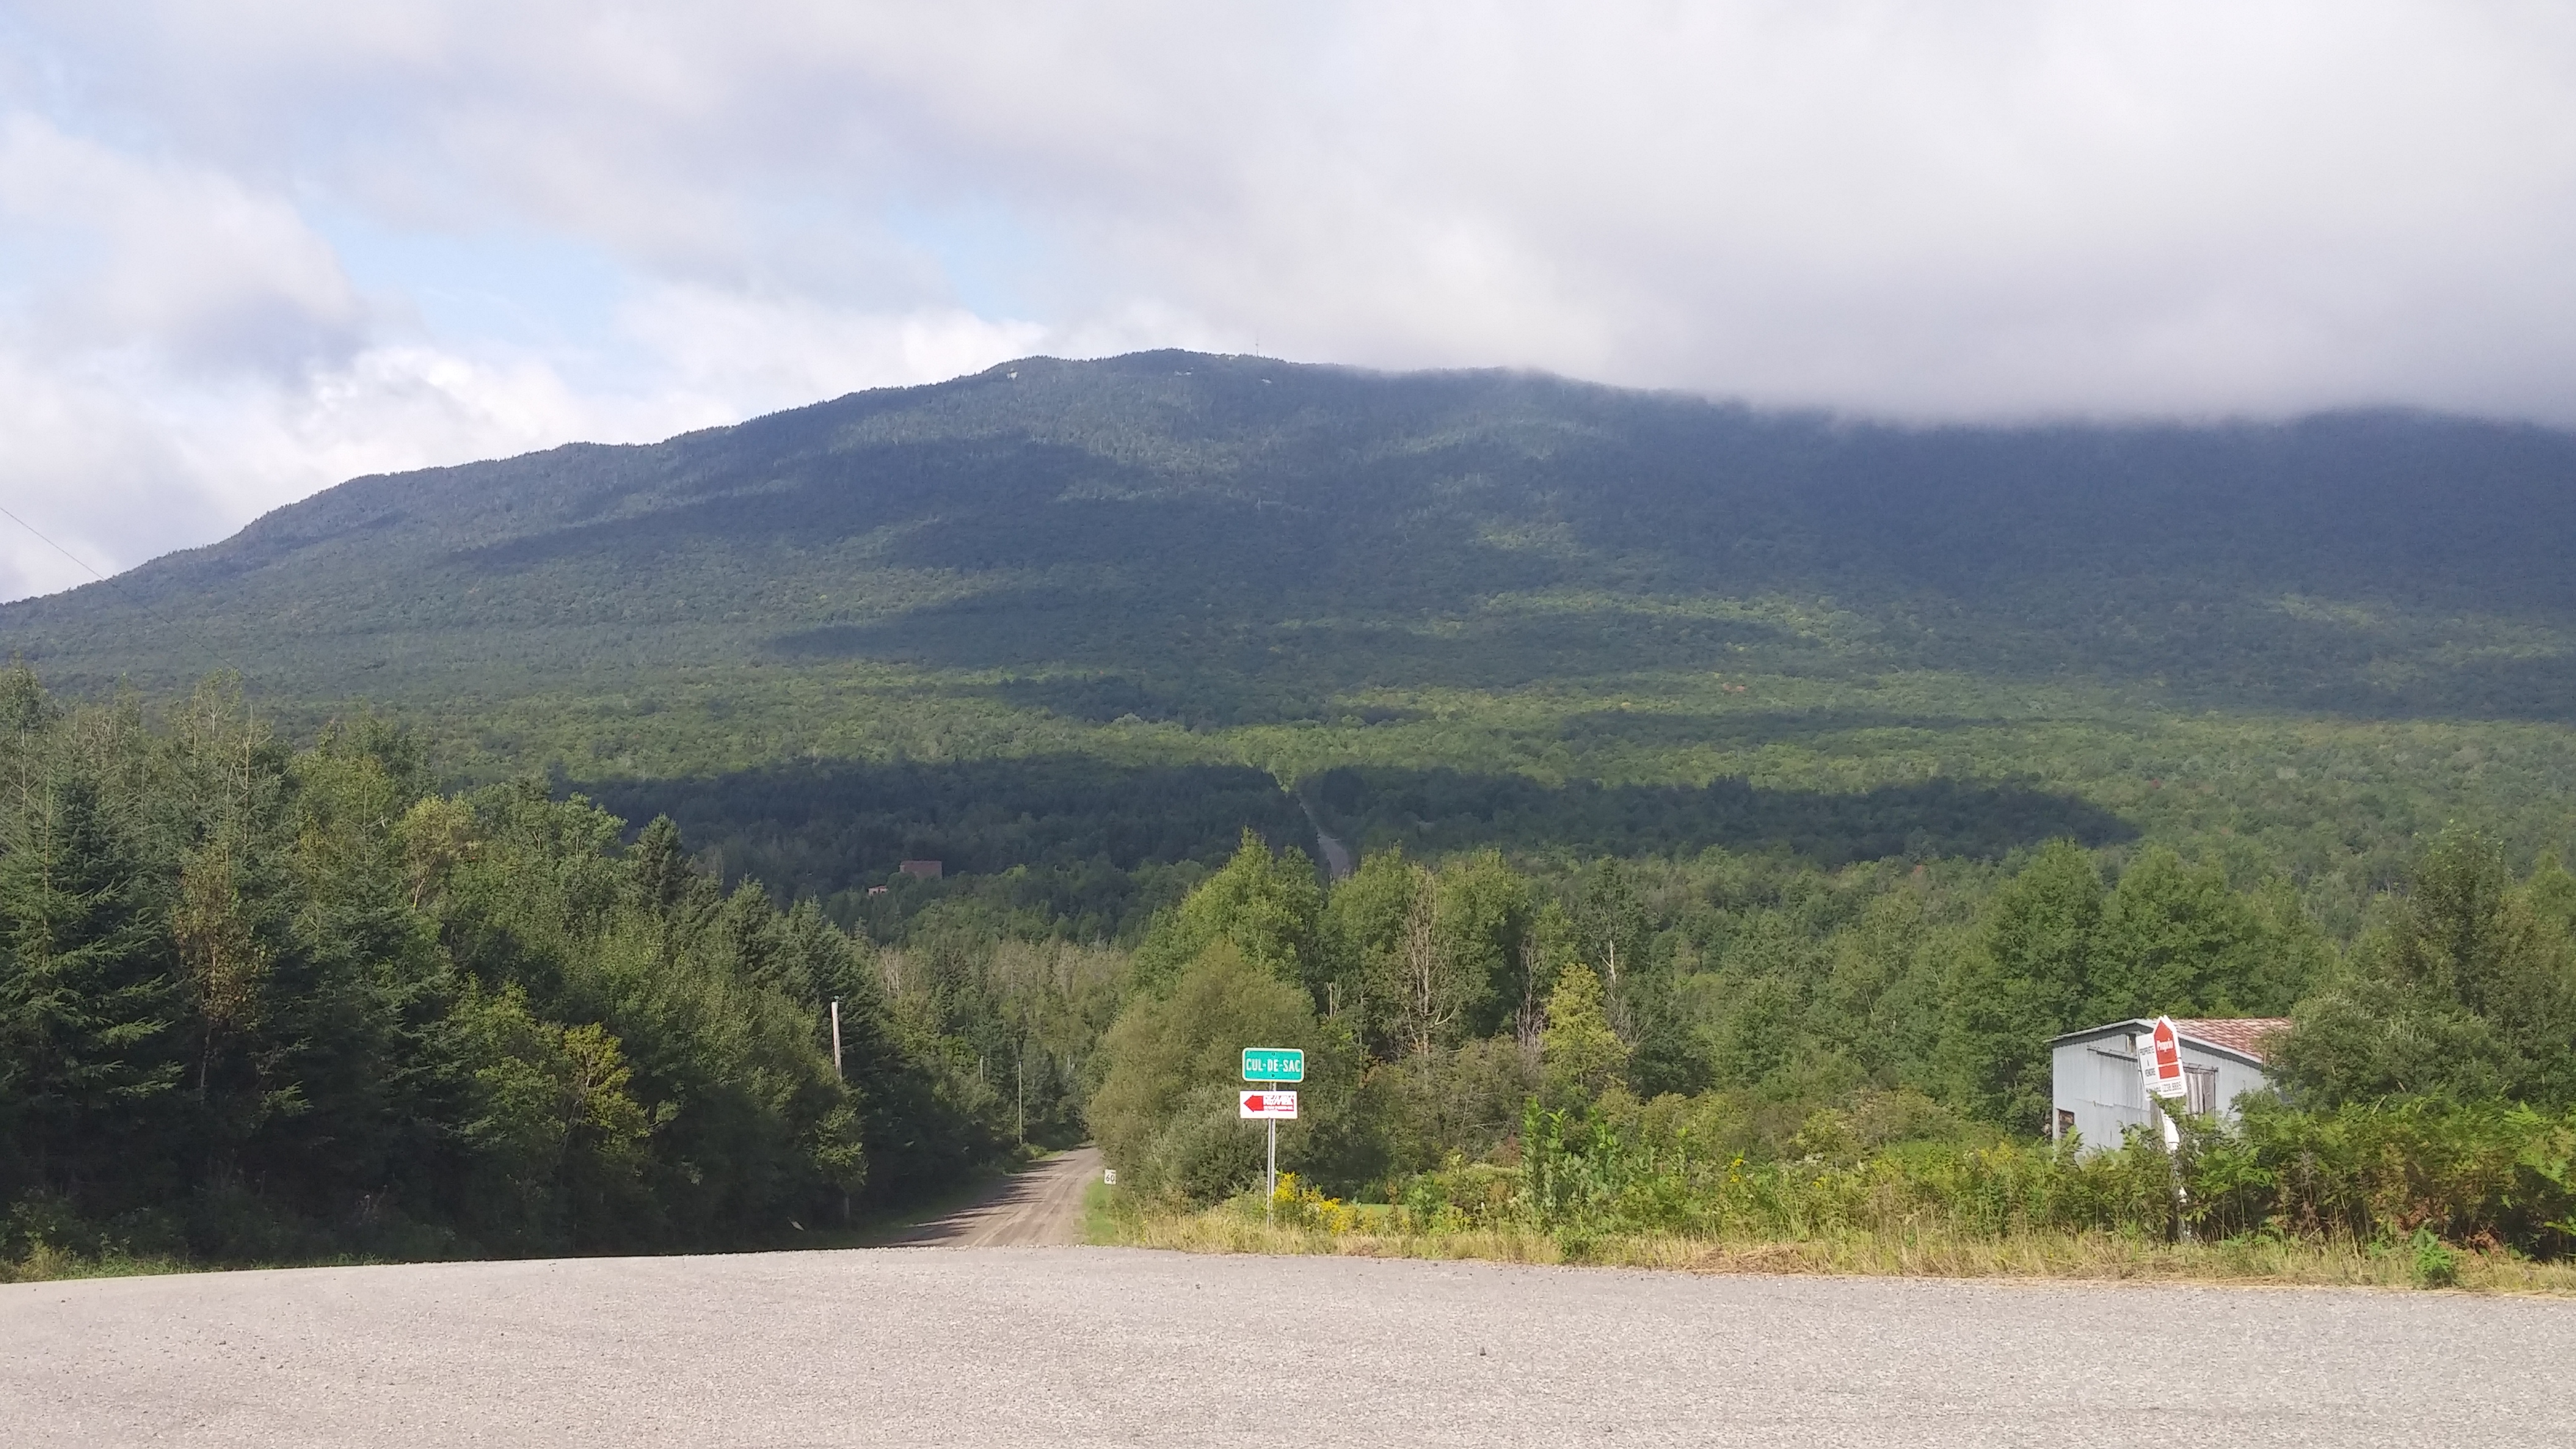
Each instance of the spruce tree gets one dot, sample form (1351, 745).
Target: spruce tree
(89, 998)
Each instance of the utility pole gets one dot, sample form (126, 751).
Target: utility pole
(839, 1076)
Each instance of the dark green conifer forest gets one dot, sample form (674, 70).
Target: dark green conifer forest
(263, 1003)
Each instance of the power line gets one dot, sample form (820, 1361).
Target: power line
(147, 610)
(223, 657)
(56, 547)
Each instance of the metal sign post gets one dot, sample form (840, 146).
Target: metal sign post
(1270, 1107)
(1272, 1064)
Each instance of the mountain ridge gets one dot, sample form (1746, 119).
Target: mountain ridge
(1133, 446)
(1181, 559)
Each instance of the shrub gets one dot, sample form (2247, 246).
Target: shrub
(2485, 1177)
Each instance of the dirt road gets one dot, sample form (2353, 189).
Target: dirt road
(1018, 1347)
(1337, 856)
(1035, 1208)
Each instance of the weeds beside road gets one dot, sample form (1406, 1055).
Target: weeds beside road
(2425, 1195)
(1312, 1226)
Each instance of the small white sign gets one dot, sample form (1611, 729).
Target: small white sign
(1269, 1104)
(1109, 1176)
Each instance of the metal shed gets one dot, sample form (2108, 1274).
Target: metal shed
(2099, 1093)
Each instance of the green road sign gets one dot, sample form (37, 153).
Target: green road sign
(1274, 1064)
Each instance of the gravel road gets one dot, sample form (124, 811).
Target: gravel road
(1033, 1209)
(1081, 1346)
(1338, 861)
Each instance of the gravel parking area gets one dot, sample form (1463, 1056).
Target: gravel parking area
(1055, 1346)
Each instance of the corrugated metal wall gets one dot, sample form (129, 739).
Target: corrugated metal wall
(2095, 1078)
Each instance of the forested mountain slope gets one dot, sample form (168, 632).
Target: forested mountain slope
(1477, 595)
(1259, 524)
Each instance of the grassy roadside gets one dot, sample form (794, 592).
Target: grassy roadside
(45, 1263)
(1237, 1227)
(48, 1263)
(1103, 1215)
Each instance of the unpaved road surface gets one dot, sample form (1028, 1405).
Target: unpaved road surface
(1337, 856)
(1040, 1207)
(1024, 1347)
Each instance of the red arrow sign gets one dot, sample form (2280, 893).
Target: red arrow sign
(2164, 1072)
(1269, 1104)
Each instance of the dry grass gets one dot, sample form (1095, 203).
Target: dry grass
(2085, 1257)
(45, 1263)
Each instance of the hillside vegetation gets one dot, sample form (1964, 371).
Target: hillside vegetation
(1512, 610)
(264, 1003)
(1738, 802)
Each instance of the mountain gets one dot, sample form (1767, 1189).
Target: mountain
(1454, 589)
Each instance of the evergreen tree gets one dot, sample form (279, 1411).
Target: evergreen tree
(90, 1000)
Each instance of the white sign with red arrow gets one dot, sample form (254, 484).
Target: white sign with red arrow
(2160, 1060)
(1270, 1104)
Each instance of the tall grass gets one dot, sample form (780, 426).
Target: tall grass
(2430, 1195)
(2480, 1177)
(1238, 1227)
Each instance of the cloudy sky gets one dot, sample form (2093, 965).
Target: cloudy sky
(249, 249)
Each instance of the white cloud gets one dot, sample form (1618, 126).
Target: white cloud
(179, 353)
(735, 354)
(1984, 209)
(122, 252)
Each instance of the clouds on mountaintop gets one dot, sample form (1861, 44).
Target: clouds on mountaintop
(248, 249)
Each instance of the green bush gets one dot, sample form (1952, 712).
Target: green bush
(2437, 1264)
(1165, 1113)
(2486, 1178)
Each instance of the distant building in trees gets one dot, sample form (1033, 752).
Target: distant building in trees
(2098, 1090)
(920, 869)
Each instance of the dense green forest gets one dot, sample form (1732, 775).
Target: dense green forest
(264, 1003)
(267, 1003)
(1843, 759)
(2330, 635)
(1745, 1044)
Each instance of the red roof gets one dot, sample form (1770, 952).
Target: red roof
(2247, 1034)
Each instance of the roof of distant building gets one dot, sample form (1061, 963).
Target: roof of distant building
(2246, 1036)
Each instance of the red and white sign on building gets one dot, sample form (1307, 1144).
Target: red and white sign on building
(2161, 1060)
(1270, 1104)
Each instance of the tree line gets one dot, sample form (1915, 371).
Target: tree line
(267, 1003)
(1632, 1018)
(263, 1002)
